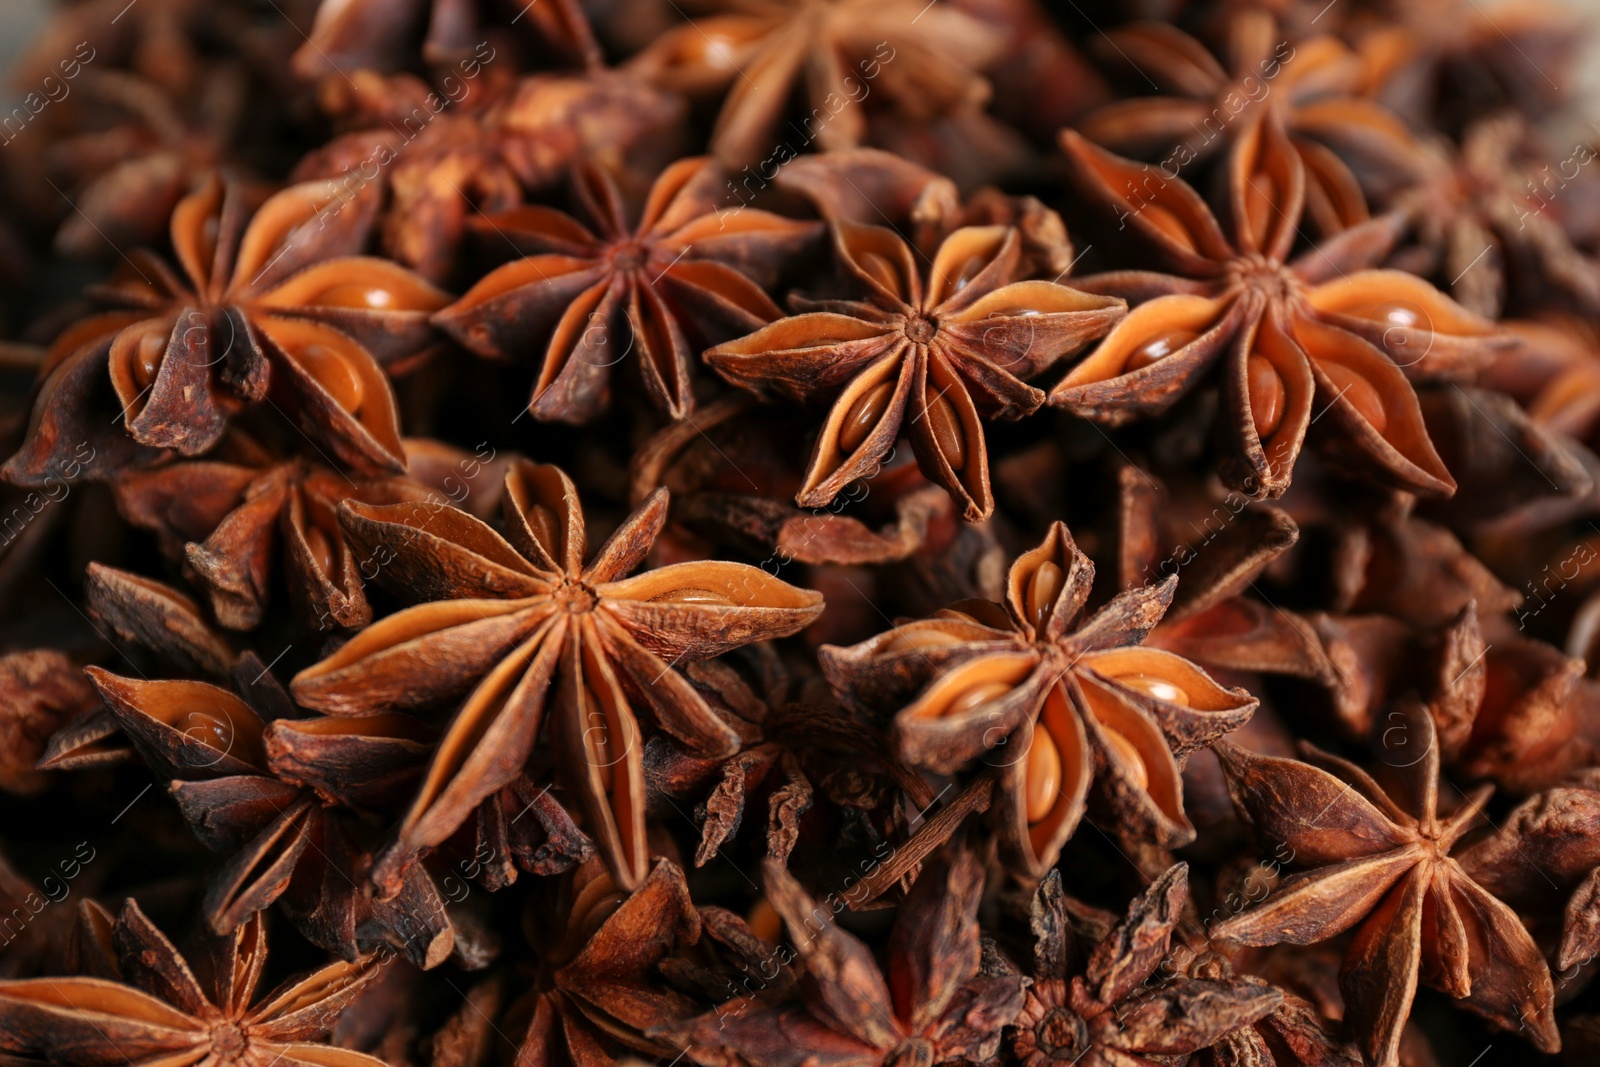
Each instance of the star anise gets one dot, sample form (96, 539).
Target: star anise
(685, 275)
(1289, 338)
(441, 158)
(281, 801)
(1310, 82)
(924, 358)
(41, 690)
(932, 1003)
(1292, 1034)
(1545, 858)
(1053, 709)
(513, 618)
(597, 995)
(272, 308)
(163, 1007)
(834, 51)
(1380, 862)
(350, 35)
(1120, 1010)
(240, 519)
(1488, 224)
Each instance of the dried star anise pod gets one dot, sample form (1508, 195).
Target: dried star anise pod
(271, 305)
(598, 996)
(923, 358)
(241, 518)
(350, 35)
(1119, 1010)
(1291, 335)
(1545, 859)
(41, 690)
(1379, 861)
(1482, 227)
(282, 800)
(158, 1006)
(439, 163)
(511, 619)
(933, 1002)
(1015, 689)
(1310, 83)
(685, 275)
(834, 52)
(1292, 1034)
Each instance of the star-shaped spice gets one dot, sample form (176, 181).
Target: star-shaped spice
(1206, 102)
(283, 802)
(1051, 708)
(1293, 339)
(164, 1008)
(271, 306)
(1379, 862)
(924, 353)
(349, 35)
(653, 292)
(240, 519)
(1120, 1011)
(517, 616)
(839, 53)
(932, 1003)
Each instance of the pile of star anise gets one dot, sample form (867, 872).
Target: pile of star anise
(799, 533)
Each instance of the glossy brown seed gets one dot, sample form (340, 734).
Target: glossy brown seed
(321, 550)
(977, 696)
(764, 921)
(916, 640)
(1393, 312)
(1267, 395)
(1157, 348)
(1159, 688)
(947, 433)
(1043, 775)
(335, 374)
(864, 415)
(356, 295)
(1361, 393)
(147, 360)
(1044, 586)
(1138, 773)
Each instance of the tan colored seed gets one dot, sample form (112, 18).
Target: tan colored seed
(1044, 586)
(1042, 777)
(1160, 688)
(864, 415)
(335, 373)
(948, 436)
(1157, 348)
(1138, 773)
(1267, 395)
(1360, 392)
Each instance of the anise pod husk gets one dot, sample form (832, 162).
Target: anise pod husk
(163, 1004)
(1287, 337)
(1115, 715)
(947, 1009)
(660, 283)
(1385, 865)
(41, 691)
(927, 359)
(517, 619)
(298, 317)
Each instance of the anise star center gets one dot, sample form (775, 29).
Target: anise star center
(628, 256)
(575, 598)
(228, 1041)
(920, 328)
(1256, 273)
